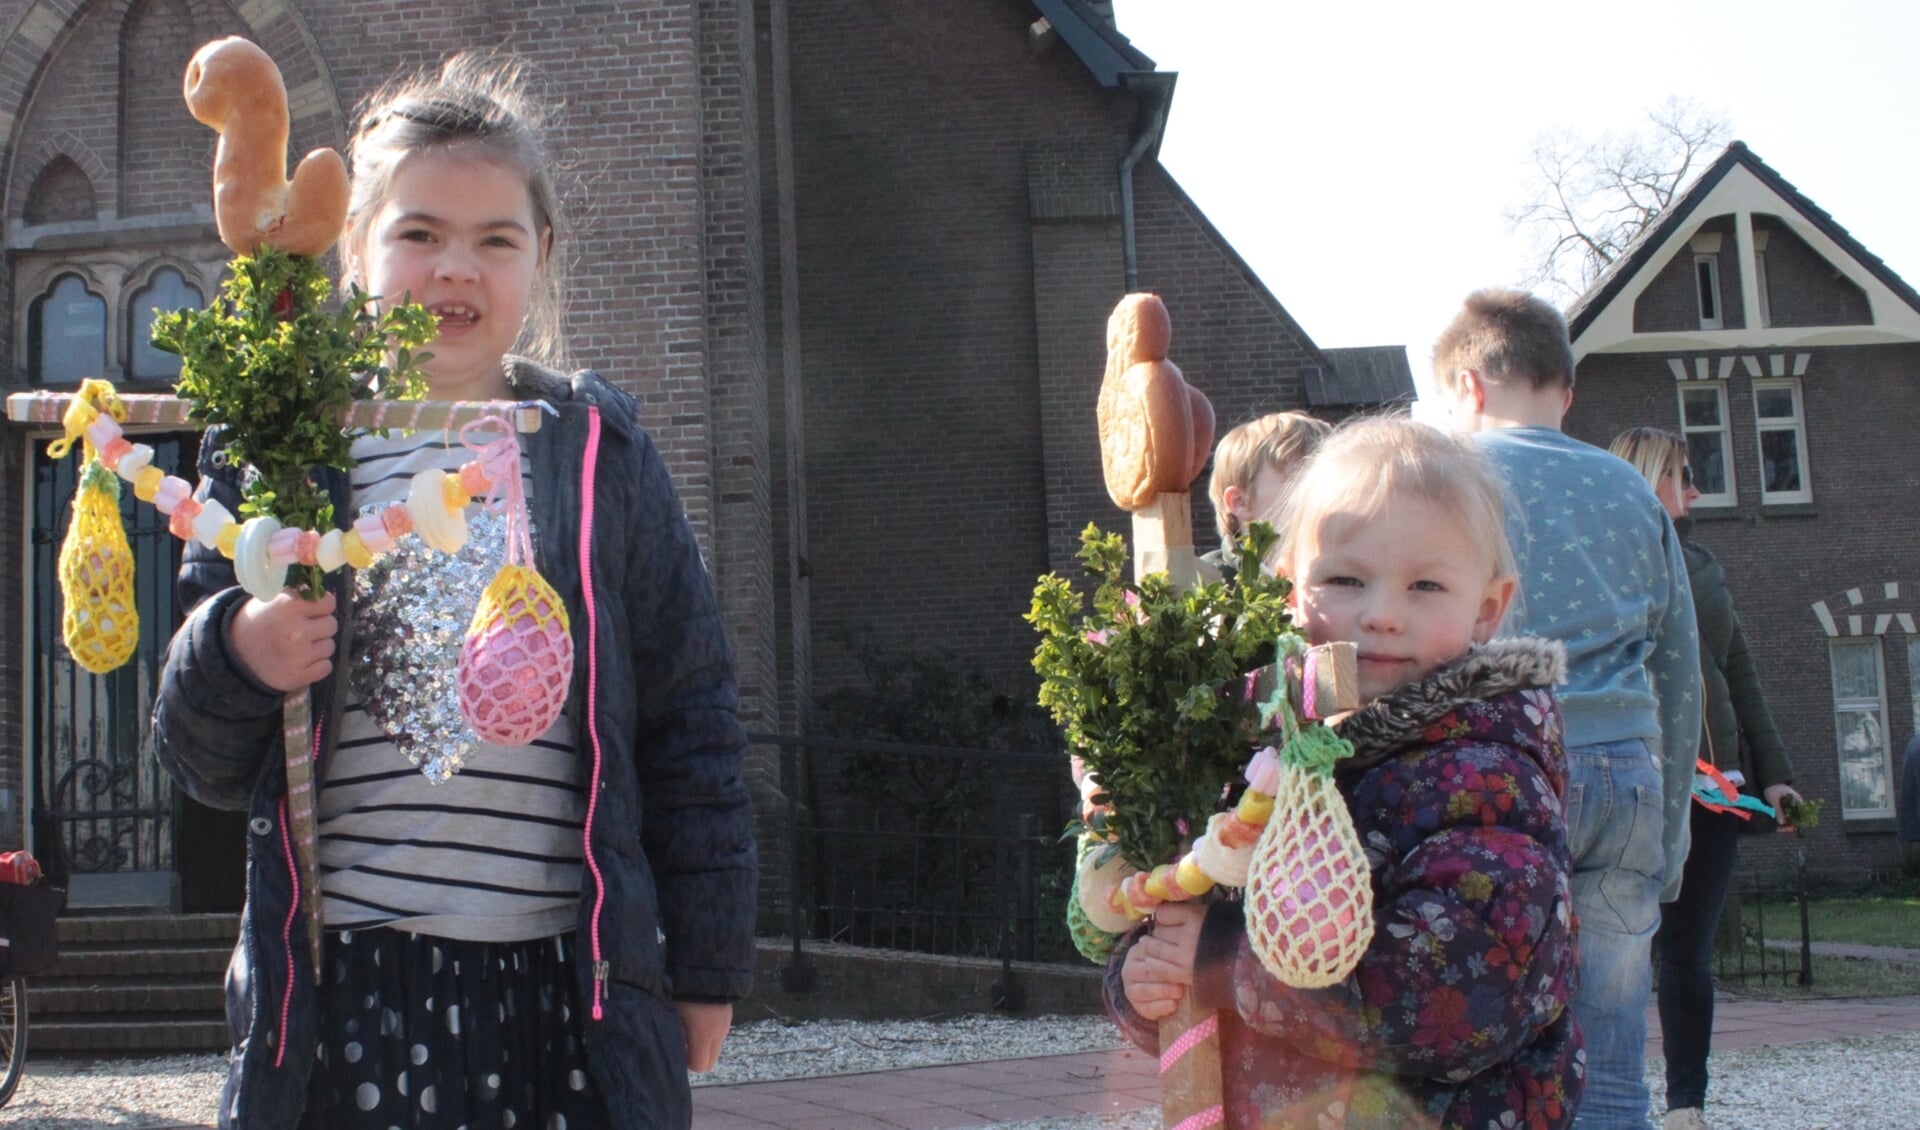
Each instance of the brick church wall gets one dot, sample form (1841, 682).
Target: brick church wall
(955, 323)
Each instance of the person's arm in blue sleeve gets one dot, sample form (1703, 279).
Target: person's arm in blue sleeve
(1673, 667)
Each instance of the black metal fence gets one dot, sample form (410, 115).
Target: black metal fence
(1755, 947)
(933, 849)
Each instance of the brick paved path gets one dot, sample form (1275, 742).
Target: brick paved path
(983, 1094)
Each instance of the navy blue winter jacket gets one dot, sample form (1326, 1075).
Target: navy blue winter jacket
(666, 906)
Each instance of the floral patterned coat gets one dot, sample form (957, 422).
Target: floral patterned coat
(1457, 1016)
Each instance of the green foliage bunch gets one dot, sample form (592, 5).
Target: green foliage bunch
(276, 367)
(1151, 686)
(1801, 814)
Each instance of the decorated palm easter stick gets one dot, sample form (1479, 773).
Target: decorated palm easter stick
(1156, 432)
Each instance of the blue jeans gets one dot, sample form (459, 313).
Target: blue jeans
(1614, 821)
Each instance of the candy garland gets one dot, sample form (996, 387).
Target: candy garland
(516, 663)
(262, 550)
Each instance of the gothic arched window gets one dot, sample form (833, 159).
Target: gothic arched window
(167, 290)
(66, 333)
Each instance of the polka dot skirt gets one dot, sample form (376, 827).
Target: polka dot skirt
(423, 1033)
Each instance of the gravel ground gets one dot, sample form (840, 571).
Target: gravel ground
(1847, 1084)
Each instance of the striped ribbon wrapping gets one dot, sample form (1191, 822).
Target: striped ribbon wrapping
(1190, 1081)
(297, 730)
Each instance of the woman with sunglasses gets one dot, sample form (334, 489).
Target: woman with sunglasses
(1735, 705)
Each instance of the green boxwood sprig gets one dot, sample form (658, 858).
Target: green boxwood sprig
(275, 366)
(1150, 686)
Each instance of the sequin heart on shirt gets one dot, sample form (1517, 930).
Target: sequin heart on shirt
(411, 609)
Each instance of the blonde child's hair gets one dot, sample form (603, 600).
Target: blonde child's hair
(1504, 335)
(1654, 452)
(1371, 460)
(1281, 440)
(479, 102)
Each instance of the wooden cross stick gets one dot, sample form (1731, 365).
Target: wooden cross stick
(1190, 1085)
(402, 415)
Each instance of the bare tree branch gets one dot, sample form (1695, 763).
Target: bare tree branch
(1592, 195)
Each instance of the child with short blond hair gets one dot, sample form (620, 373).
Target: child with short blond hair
(1251, 468)
(1456, 1015)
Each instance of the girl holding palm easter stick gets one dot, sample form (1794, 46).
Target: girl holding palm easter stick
(1456, 1014)
(546, 935)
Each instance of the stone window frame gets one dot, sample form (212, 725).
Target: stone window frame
(1875, 710)
(32, 309)
(1731, 495)
(1797, 424)
(139, 283)
(116, 276)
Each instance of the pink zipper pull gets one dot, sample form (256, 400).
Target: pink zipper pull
(600, 971)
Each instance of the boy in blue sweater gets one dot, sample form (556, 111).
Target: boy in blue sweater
(1601, 570)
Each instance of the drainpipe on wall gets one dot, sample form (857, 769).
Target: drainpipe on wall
(1153, 92)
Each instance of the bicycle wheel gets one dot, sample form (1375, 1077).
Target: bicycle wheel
(13, 1033)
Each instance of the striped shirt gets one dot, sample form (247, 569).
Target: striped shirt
(492, 853)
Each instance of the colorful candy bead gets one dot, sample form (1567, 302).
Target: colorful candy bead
(112, 453)
(373, 534)
(147, 482)
(184, 513)
(328, 554)
(355, 550)
(136, 460)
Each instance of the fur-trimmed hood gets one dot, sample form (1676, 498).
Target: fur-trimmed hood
(1407, 715)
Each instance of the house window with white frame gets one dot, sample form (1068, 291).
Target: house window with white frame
(1760, 285)
(1706, 273)
(1781, 424)
(1703, 421)
(1860, 727)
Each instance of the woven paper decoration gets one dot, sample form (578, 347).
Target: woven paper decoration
(101, 625)
(517, 660)
(1309, 902)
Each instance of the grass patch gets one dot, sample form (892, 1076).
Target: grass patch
(1862, 921)
(1832, 977)
(1882, 918)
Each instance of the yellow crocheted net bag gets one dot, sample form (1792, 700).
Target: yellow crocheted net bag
(101, 623)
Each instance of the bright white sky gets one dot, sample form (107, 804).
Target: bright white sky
(1361, 155)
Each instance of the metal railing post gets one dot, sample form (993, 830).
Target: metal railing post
(1806, 930)
(1024, 923)
(798, 976)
